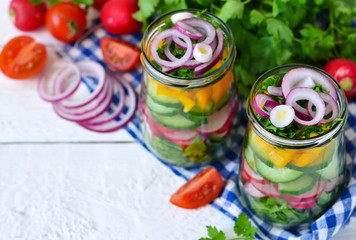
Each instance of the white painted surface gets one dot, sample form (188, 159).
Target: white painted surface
(59, 181)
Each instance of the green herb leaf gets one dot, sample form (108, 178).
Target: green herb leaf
(214, 234)
(232, 9)
(243, 227)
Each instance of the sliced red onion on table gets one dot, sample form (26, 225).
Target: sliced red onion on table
(331, 106)
(216, 55)
(260, 100)
(167, 34)
(293, 78)
(69, 76)
(303, 93)
(202, 52)
(188, 30)
(123, 118)
(181, 16)
(100, 105)
(282, 115)
(275, 91)
(116, 107)
(89, 68)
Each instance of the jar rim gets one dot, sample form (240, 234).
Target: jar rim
(320, 139)
(199, 81)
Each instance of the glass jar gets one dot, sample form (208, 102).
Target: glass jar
(291, 182)
(188, 121)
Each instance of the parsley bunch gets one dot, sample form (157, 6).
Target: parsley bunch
(243, 229)
(271, 33)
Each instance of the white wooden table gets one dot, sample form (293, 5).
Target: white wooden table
(60, 181)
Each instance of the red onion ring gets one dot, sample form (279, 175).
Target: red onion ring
(216, 55)
(188, 30)
(207, 27)
(87, 68)
(123, 118)
(275, 91)
(331, 106)
(260, 99)
(271, 104)
(164, 35)
(292, 78)
(66, 69)
(301, 93)
(189, 64)
(116, 107)
(100, 107)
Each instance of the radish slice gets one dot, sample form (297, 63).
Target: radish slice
(275, 91)
(123, 118)
(167, 34)
(301, 93)
(88, 68)
(188, 30)
(282, 115)
(202, 52)
(116, 107)
(181, 16)
(216, 120)
(251, 174)
(269, 189)
(331, 106)
(183, 135)
(303, 205)
(300, 76)
(312, 194)
(69, 76)
(259, 101)
(254, 192)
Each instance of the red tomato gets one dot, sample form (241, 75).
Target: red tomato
(66, 21)
(26, 16)
(22, 57)
(200, 190)
(344, 71)
(116, 17)
(98, 4)
(120, 55)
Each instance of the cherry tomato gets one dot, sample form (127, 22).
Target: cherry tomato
(344, 71)
(22, 57)
(26, 16)
(98, 4)
(66, 21)
(200, 190)
(119, 55)
(116, 17)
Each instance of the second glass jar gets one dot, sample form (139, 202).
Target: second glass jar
(189, 121)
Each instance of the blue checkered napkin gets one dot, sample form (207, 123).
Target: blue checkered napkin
(323, 228)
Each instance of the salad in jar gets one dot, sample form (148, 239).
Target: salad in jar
(188, 97)
(293, 165)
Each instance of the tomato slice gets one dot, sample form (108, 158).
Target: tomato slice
(119, 55)
(22, 57)
(200, 190)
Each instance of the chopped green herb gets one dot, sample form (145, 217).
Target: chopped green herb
(243, 229)
(168, 24)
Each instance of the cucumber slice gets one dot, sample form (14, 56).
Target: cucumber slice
(196, 118)
(332, 170)
(161, 109)
(176, 122)
(250, 157)
(161, 99)
(299, 186)
(275, 174)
